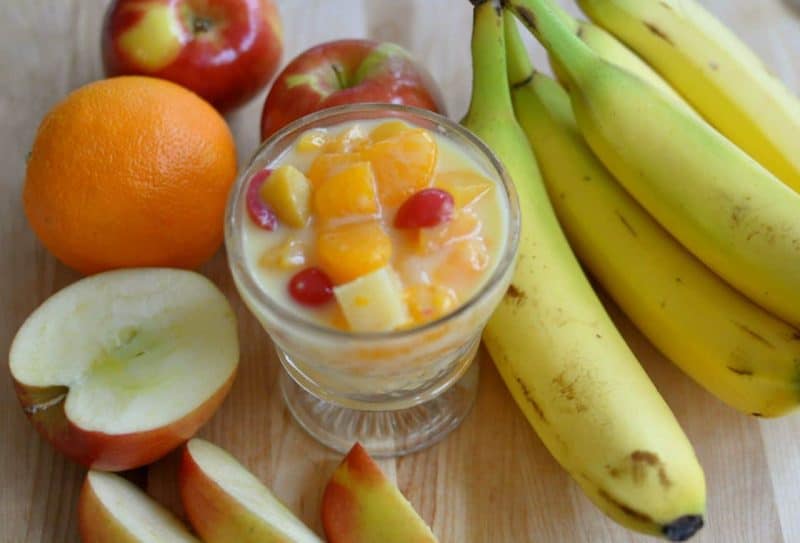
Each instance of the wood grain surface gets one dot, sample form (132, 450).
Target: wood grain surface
(491, 480)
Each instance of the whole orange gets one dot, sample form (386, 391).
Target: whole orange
(130, 172)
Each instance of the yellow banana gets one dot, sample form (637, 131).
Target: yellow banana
(734, 215)
(729, 345)
(566, 365)
(715, 71)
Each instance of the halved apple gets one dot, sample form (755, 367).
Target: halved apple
(360, 505)
(227, 503)
(113, 510)
(120, 368)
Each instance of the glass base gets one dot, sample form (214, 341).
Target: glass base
(382, 433)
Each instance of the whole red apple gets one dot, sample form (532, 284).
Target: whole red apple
(346, 72)
(224, 50)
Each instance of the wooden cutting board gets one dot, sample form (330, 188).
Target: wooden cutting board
(491, 480)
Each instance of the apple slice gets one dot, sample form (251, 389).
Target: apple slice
(120, 368)
(360, 505)
(227, 503)
(113, 510)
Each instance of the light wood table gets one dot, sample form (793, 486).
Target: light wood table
(491, 480)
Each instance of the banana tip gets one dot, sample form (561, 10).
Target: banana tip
(683, 528)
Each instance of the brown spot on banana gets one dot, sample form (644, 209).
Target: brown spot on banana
(740, 371)
(529, 398)
(658, 32)
(755, 335)
(626, 223)
(515, 294)
(567, 390)
(626, 509)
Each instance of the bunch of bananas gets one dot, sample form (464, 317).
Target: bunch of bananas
(673, 181)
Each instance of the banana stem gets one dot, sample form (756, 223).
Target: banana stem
(491, 96)
(554, 28)
(520, 69)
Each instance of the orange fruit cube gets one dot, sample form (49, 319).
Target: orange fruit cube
(351, 250)
(463, 225)
(429, 302)
(349, 140)
(328, 164)
(288, 192)
(349, 193)
(389, 129)
(403, 165)
(466, 187)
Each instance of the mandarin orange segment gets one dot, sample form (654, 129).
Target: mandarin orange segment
(403, 165)
(429, 302)
(388, 129)
(465, 257)
(466, 187)
(328, 164)
(349, 140)
(352, 250)
(464, 224)
(349, 193)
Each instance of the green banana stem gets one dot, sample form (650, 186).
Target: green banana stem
(554, 28)
(491, 96)
(520, 69)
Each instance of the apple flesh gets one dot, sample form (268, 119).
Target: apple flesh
(121, 367)
(224, 502)
(224, 50)
(347, 72)
(360, 505)
(113, 510)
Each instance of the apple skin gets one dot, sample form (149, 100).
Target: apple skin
(110, 452)
(346, 72)
(360, 505)
(226, 51)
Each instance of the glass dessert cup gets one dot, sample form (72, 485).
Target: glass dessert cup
(394, 392)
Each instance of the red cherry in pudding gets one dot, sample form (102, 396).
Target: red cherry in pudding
(259, 211)
(311, 286)
(425, 209)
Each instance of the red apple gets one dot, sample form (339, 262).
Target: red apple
(121, 367)
(224, 50)
(347, 72)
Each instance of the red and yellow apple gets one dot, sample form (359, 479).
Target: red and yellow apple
(121, 367)
(224, 50)
(113, 510)
(347, 72)
(360, 505)
(225, 503)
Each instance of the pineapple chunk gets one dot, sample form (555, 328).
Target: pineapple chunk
(288, 255)
(466, 187)
(373, 302)
(288, 192)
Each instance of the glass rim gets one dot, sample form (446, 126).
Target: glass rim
(234, 217)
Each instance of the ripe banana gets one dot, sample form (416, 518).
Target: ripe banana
(715, 71)
(566, 365)
(721, 205)
(729, 345)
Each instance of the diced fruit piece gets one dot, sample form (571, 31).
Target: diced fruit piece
(466, 186)
(429, 302)
(111, 508)
(119, 368)
(464, 224)
(313, 140)
(352, 250)
(389, 129)
(424, 209)
(465, 256)
(288, 193)
(349, 193)
(258, 210)
(349, 140)
(289, 254)
(225, 503)
(311, 286)
(403, 165)
(373, 302)
(328, 164)
(361, 505)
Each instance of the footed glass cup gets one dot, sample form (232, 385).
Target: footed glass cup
(395, 392)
